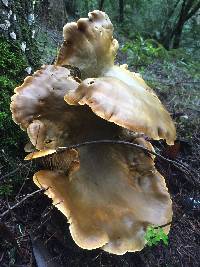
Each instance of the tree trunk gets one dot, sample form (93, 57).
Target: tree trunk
(87, 6)
(17, 27)
(71, 7)
(54, 13)
(121, 11)
(171, 35)
(101, 3)
(177, 35)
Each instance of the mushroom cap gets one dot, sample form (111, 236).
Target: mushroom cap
(111, 199)
(89, 44)
(38, 106)
(133, 107)
(50, 83)
(133, 79)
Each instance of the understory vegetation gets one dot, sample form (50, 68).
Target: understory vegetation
(158, 39)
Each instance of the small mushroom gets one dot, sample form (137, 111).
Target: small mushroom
(111, 199)
(132, 107)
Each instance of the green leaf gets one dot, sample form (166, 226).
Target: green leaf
(154, 235)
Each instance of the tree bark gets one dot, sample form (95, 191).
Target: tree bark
(54, 13)
(101, 3)
(17, 27)
(71, 7)
(177, 35)
(121, 11)
(171, 35)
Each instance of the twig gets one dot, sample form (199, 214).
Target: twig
(21, 201)
(176, 164)
(3, 253)
(197, 110)
(14, 171)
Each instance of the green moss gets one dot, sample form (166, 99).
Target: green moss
(12, 72)
(24, 32)
(12, 61)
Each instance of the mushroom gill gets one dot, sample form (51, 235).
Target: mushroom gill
(111, 199)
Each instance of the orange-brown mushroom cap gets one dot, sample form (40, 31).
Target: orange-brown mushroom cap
(111, 199)
(133, 107)
(89, 44)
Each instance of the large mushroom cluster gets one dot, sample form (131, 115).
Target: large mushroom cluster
(108, 193)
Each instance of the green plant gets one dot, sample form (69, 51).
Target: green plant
(6, 190)
(154, 235)
(142, 52)
(12, 61)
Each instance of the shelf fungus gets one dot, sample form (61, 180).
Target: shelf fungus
(117, 95)
(131, 107)
(38, 106)
(89, 44)
(109, 193)
(110, 198)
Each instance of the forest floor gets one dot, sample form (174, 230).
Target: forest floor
(36, 234)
